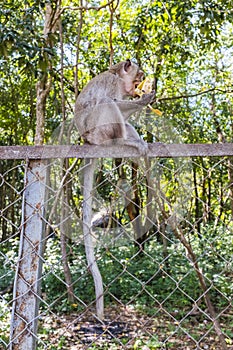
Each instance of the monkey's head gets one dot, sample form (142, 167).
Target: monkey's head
(131, 75)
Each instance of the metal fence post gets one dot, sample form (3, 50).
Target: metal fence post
(26, 295)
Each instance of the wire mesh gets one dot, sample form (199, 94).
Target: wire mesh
(160, 228)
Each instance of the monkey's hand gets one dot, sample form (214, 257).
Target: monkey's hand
(146, 99)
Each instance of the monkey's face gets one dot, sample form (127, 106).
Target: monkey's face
(132, 76)
(138, 79)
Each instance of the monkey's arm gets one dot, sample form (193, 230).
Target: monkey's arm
(128, 107)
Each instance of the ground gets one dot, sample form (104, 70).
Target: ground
(127, 328)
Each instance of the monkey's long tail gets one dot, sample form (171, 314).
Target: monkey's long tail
(89, 169)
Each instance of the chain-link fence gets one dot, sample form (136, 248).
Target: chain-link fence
(161, 239)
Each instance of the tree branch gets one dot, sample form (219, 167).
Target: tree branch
(86, 8)
(194, 95)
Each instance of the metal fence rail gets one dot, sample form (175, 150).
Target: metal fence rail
(162, 237)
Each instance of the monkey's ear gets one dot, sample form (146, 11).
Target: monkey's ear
(127, 64)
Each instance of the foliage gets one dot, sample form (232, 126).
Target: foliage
(173, 40)
(151, 280)
(186, 46)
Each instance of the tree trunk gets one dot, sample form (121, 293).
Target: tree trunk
(197, 223)
(230, 178)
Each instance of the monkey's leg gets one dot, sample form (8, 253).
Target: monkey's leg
(89, 248)
(133, 139)
(104, 124)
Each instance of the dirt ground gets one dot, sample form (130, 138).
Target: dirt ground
(126, 328)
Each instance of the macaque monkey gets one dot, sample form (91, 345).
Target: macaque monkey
(102, 108)
(101, 116)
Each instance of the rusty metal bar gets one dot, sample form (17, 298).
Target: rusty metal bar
(160, 150)
(26, 293)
